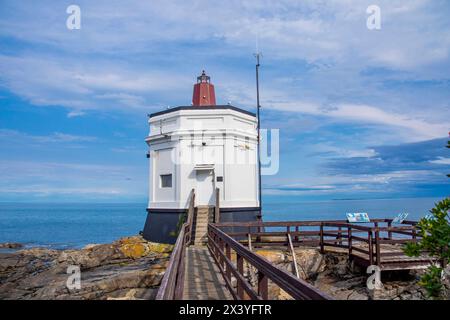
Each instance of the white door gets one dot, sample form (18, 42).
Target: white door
(204, 192)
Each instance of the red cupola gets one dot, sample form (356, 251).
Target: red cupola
(204, 94)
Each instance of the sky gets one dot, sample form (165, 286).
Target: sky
(362, 113)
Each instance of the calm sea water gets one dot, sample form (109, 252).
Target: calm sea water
(75, 225)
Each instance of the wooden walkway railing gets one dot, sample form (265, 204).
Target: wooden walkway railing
(368, 244)
(221, 246)
(171, 287)
(375, 243)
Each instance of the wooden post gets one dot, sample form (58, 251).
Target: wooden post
(263, 286)
(191, 212)
(377, 240)
(294, 258)
(222, 247)
(390, 232)
(217, 208)
(339, 236)
(251, 271)
(215, 247)
(296, 236)
(240, 267)
(321, 239)
(228, 254)
(370, 243)
(350, 242)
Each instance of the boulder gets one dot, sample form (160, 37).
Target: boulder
(274, 256)
(10, 245)
(310, 262)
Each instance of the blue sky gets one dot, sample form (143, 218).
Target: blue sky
(362, 113)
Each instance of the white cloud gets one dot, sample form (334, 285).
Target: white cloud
(81, 87)
(342, 152)
(319, 59)
(441, 160)
(14, 136)
(352, 184)
(425, 130)
(34, 178)
(44, 190)
(73, 114)
(417, 129)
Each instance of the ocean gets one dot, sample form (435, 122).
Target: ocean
(74, 225)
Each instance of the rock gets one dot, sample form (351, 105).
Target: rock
(283, 295)
(11, 245)
(310, 262)
(274, 256)
(129, 268)
(90, 246)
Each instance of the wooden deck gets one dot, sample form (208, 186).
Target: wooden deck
(392, 258)
(203, 280)
(376, 243)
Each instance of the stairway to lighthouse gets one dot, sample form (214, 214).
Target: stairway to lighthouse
(203, 216)
(203, 279)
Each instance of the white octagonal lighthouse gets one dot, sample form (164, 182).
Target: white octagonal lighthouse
(204, 147)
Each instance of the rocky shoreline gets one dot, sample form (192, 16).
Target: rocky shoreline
(132, 268)
(11, 245)
(129, 268)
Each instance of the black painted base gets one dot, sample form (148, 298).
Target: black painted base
(162, 225)
(239, 215)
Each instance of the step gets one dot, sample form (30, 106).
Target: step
(202, 219)
(202, 216)
(205, 217)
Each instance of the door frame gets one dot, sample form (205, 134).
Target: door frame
(211, 173)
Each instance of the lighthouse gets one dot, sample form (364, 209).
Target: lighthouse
(207, 149)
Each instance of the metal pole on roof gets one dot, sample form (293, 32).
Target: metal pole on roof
(258, 107)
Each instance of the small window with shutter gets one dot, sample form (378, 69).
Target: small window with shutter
(166, 180)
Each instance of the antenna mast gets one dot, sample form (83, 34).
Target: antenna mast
(258, 107)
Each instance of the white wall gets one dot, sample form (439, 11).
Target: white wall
(163, 164)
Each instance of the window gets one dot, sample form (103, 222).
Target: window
(166, 181)
(219, 179)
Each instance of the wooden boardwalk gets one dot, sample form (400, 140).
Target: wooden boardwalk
(199, 272)
(392, 258)
(203, 280)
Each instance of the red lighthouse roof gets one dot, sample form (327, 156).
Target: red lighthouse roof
(204, 94)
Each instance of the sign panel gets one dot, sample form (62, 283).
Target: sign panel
(400, 217)
(358, 217)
